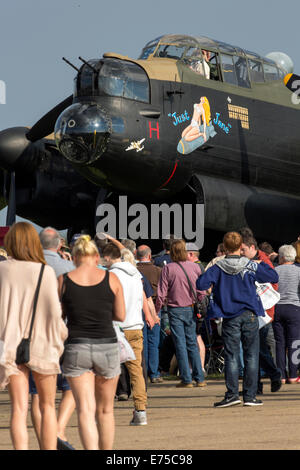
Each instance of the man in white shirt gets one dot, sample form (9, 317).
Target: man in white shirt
(130, 279)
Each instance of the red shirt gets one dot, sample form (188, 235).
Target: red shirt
(263, 257)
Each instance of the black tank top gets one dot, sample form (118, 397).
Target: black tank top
(89, 309)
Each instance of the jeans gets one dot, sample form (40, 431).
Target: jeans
(266, 361)
(183, 329)
(243, 328)
(286, 326)
(151, 350)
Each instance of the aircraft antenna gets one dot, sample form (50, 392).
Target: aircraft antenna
(86, 63)
(69, 63)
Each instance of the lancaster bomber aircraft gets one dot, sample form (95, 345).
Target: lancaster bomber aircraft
(192, 119)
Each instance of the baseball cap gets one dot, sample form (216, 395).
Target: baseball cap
(192, 247)
(75, 238)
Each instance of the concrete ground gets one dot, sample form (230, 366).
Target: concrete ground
(185, 419)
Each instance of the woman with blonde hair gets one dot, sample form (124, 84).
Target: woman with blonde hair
(18, 281)
(92, 298)
(175, 289)
(201, 119)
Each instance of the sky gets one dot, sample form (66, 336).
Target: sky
(36, 34)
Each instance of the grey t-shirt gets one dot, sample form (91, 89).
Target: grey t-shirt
(289, 284)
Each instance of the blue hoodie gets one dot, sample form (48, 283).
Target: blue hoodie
(234, 291)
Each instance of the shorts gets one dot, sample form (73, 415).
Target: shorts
(62, 384)
(102, 359)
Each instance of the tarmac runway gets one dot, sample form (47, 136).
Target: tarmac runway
(185, 419)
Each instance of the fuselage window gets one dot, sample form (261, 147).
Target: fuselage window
(256, 71)
(124, 79)
(271, 72)
(229, 74)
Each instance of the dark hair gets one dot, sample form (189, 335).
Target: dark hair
(246, 232)
(249, 241)
(221, 248)
(112, 251)
(266, 248)
(167, 242)
(101, 244)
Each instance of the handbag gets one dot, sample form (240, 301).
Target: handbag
(200, 306)
(23, 350)
(126, 351)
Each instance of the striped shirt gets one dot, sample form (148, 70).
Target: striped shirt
(289, 284)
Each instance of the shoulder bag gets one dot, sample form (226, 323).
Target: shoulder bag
(200, 306)
(23, 350)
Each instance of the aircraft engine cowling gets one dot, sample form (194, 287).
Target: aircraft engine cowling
(230, 206)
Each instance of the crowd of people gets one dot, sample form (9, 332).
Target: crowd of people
(163, 304)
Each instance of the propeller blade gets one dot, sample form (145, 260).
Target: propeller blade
(11, 209)
(45, 125)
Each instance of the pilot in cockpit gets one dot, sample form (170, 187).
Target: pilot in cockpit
(201, 66)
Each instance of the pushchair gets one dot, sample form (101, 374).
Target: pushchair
(214, 349)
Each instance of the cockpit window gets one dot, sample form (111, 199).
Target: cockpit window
(235, 70)
(241, 71)
(124, 79)
(271, 72)
(229, 74)
(171, 51)
(256, 71)
(146, 52)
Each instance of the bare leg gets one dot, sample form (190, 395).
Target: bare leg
(46, 387)
(19, 394)
(65, 411)
(193, 134)
(83, 388)
(36, 416)
(105, 394)
(186, 130)
(201, 347)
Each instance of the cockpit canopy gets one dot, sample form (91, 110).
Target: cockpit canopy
(112, 77)
(227, 63)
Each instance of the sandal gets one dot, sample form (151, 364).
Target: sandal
(294, 381)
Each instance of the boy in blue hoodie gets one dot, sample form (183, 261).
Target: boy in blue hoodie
(235, 300)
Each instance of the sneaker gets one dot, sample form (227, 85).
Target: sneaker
(123, 397)
(139, 418)
(253, 402)
(275, 385)
(227, 402)
(156, 380)
(184, 385)
(201, 384)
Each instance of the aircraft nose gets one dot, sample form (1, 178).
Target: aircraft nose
(82, 132)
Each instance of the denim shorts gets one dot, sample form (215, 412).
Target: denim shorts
(102, 359)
